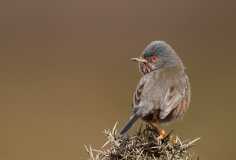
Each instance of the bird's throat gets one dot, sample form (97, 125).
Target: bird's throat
(146, 68)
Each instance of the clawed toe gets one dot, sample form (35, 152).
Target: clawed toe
(162, 135)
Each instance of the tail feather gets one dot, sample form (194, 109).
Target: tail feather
(129, 124)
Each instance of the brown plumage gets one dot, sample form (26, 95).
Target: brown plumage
(163, 93)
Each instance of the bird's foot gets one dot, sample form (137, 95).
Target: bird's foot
(175, 140)
(162, 135)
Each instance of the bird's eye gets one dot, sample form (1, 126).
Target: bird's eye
(154, 58)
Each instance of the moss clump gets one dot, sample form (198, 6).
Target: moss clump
(143, 145)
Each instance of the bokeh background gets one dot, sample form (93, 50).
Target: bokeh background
(66, 74)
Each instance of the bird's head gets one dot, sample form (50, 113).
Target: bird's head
(157, 55)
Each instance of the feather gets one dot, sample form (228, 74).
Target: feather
(133, 118)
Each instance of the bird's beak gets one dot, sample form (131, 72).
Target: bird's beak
(140, 59)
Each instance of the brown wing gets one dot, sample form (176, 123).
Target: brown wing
(170, 102)
(176, 100)
(184, 104)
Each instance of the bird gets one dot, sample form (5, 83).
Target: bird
(163, 93)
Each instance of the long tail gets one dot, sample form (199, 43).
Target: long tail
(129, 124)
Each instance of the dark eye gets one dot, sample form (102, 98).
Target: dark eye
(154, 58)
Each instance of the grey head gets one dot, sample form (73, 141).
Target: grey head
(157, 55)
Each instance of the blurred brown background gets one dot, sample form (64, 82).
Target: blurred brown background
(66, 74)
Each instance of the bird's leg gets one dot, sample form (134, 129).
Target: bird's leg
(161, 132)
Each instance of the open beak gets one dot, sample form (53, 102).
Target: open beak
(140, 59)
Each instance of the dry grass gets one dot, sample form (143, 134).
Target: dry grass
(142, 146)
